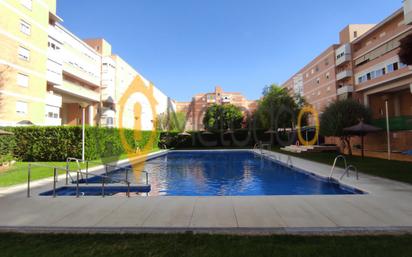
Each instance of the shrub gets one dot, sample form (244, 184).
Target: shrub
(342, 114)
(200, 140)
(58, 143)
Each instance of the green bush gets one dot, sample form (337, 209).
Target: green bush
(58, 143)
(198, 139)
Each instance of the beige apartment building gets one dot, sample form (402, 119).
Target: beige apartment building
(25, 27)
(366, 67)
(49, 76)
(196, 109)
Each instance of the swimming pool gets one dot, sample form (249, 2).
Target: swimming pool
(228, 173)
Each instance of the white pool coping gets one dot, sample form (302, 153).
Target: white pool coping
(385, 209)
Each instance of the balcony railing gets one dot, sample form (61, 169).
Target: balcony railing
(344, 74)
(345, 89)
(78, 91)
(53, 100)
(395, 123)
(343, 59)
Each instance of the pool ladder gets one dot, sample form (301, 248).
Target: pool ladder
(79, 175)
(348, 168)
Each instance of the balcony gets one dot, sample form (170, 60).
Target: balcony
(53, 100)
(108, 94)
(54, 33)
(343, 54)
(343, 75)
(395, 123)
(226, 99)
(345, 89)
(343, 59)
(210, 99)
(78, 91)
(54, 73)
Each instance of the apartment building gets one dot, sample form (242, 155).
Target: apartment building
(196, 109)
(328, 76)
(117, 75)
(379, 77)
(24, 38)
(49, 76)
(366, 67)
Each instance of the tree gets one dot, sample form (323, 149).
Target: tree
(405, 52)
(342, 114)
(223, 117)
(175, 122)
(279, 108)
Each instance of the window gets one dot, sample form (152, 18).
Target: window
(355, 34)
(21, 108)
(373, 74)
(326, 62)
(378, 73)
(392, 67)
(52, 112)
(316, 68)
(318, 80)
(27, 3)
(22, 80)
(327, 75)
(395, 66)
(25, 27)
(24, 53)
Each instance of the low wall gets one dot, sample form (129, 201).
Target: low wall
(376, 144)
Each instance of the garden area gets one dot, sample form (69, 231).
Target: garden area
(225, 127)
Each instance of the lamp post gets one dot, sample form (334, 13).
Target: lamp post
(83, 106)
(387, 127)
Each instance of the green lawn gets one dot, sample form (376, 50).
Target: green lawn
(182, 245)
(18, 173)
(396, 170)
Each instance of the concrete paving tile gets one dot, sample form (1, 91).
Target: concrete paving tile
(91, 214)
(213, 212)
(342, 213)
(387, 212)
(295, 212)
(256, 212)
(171, 211)
(131, 213)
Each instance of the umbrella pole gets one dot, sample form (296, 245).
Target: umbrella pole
(362, 146)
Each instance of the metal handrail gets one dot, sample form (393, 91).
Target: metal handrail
(347, 172)
(334, 164)
(289, 161)
(78, 173)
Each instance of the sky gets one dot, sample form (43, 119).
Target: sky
(187, 47)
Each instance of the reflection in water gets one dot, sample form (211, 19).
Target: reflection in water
(229, 173)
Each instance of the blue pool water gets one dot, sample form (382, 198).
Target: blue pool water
(224, 173)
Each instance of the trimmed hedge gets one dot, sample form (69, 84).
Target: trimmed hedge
(58, 143)
(199, 139)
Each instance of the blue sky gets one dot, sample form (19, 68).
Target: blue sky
(188, 46)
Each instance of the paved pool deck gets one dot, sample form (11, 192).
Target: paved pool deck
(385, 209)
